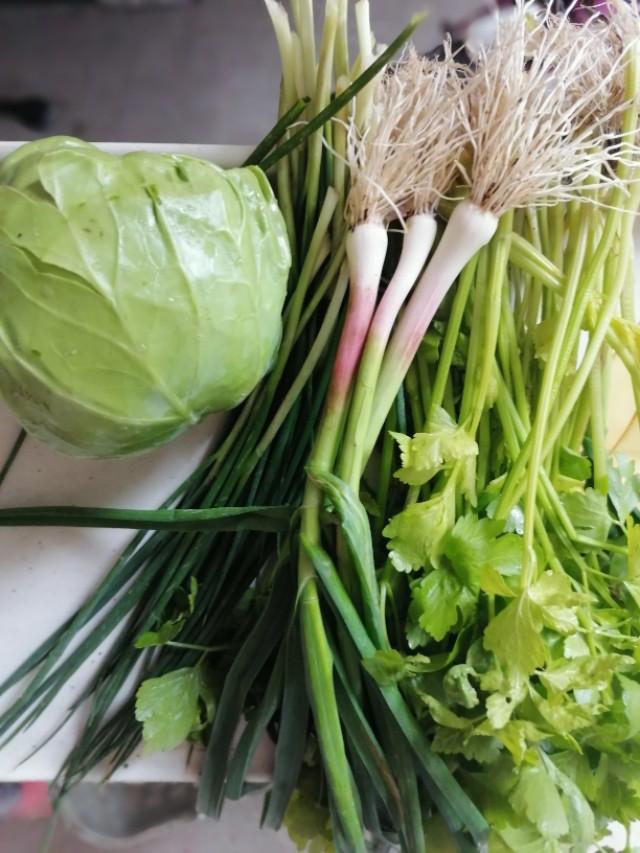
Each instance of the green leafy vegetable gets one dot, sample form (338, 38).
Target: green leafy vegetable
(458, 687)
(574, 466)
(439, 601)
(477, 551)
(536, 797)
(417, 532)
(389, 667)
(589, 513)
(170, 629)
(624, 486)
(432, 451)
(307, 820)
(166, 632)
(168, 708)
(514, 636)
(137, 293)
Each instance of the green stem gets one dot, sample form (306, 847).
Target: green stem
(319, 665)
(549, 380)
(412, 386)
(598, 429)
(514, 356)
(476, 324)
(342, 40)
(285, 200)
(321, 98)
(454, 324)
(303, 15)
(340, 172)
(526, 257)
(499, 256)
(580, 423)
(542, 215)
(557, 225)
(484, 451)
(385, 471)
(195, 647)
(318, 658)
(454, 805)
(424, 385)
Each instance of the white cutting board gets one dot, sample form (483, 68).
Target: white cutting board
(45, 574)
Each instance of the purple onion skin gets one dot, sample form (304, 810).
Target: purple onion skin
(581, 13)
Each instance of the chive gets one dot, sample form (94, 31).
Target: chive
(270, 519)
(276, 133)
(292, 734)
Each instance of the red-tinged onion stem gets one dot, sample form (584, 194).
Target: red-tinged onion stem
(418, 242)
(469, 229)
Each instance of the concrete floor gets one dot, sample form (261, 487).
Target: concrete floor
(237, 832)
(196, 72)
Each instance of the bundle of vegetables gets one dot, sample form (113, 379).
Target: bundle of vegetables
(443, 641)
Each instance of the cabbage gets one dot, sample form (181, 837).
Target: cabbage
(137, 293)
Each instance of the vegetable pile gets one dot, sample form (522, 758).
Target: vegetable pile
(412, 563)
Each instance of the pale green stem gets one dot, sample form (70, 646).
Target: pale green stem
(303, 16)
(454, 324)
(317, 652)
(476, 325)
(621, 214)
(342, 40)
(340, 176)
(580, 423)
(364, 98)
(549, 380)
(542, 215)
(321, 97)
(282, 30)
(579, 381)
(598, 429)
(499, 256)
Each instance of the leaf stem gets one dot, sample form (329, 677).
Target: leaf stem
(549, 380)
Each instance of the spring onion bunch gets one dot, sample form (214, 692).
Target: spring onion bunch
(438, 620)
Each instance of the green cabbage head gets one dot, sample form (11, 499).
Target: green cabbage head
(137, 293)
